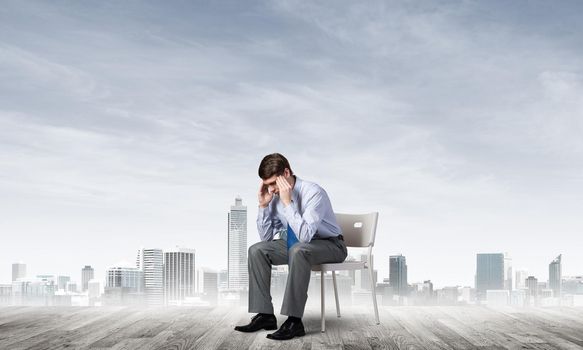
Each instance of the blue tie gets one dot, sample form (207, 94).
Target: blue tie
(291, 237)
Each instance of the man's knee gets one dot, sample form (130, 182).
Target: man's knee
(256, 250)
(299, 250)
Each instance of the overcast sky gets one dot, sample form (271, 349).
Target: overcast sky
(130, 123)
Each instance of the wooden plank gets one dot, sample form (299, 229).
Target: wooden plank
(183, 321)
(39, 321)
(178, 328)
(79, 337)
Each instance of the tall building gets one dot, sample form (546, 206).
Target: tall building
(179, 274)
(362, 277)
(94, 289)
(129, 278)
(508, 272)
(151, 262)
(520, 278)
(62, 282)
(493, 272)
(398, 274)
(555, 276)
(18, 271)
(237, 275)
(532, 285)
(87, 274)
(208, 285)
(124, 285)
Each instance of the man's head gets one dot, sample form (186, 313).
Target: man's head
(272, 166)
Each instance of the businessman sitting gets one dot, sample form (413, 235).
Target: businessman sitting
(301, 212)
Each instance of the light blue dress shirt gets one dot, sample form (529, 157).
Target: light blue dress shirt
(310, 214)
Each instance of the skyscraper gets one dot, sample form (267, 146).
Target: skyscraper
(508, 285)
(62, 282)
(493, 272)
(362, 277)
(87, 275)
(18, 270)
(555, 276)
(208, 285)
(532, 285)
(151, 262)
(237, 255)
(520, 279)
(129, 278)
(398, 274)
(179, 274)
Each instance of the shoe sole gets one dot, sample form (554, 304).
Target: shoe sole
(271, 328)
(299, 334)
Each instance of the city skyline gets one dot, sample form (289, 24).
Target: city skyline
(496, 268)
(126, 124)
(237, 224)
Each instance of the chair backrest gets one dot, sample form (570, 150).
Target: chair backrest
(359, 230)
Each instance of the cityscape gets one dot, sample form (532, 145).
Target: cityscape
(172, 278)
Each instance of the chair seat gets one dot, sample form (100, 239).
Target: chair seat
(347, 265)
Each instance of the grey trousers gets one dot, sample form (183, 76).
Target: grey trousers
(302, 256)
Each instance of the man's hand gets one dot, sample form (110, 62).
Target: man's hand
(285, 190)
(264, 196)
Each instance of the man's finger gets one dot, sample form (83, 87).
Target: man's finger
(281, 182)
(261, 187)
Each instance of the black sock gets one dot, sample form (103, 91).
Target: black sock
(295, 319)
(262, 314)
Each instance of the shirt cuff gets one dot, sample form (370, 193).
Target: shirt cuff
(263, 213)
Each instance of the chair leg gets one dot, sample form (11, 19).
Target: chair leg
(336, 293)
(374, 294)
(323, 300)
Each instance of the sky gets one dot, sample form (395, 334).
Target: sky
(137, 123)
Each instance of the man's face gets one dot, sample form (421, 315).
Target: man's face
(272, 185)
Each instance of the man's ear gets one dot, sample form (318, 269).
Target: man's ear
(286, 173)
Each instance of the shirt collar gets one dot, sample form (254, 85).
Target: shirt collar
(297, 188)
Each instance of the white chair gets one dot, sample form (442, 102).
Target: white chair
(358, 231)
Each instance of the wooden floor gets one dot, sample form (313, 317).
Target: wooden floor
(461, 327)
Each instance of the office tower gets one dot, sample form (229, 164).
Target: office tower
(572, 285)
(5, 294)
(94, 289)
(208, 285)
(491, 273)
(507, 272)
(532, 285)
(18, 270)
(223, 279)
(62, 282)
(398, 274)
(151, 262)
(555, 275)
(71, 287)
(87, 274)
(179, 274)
(237, 253)
(520, 278)
(427, 289)
(129, 278)
(362, 277)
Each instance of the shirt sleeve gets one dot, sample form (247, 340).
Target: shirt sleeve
(306, 225)
(267, 223)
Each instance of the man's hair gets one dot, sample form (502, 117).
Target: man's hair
(273, 164)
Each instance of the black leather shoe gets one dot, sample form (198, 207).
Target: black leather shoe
(259, 321)
(289, 329)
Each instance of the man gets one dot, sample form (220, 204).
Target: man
(300, 211)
